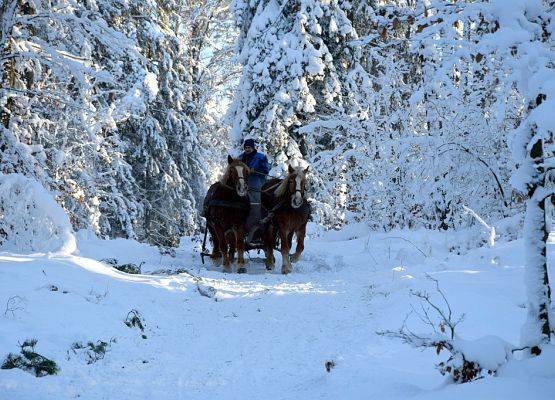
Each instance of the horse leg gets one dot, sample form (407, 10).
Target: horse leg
(290, 239)
(240, 234)
(301, 232)
(231, 243)
(285, 263)
(269, 243)
(216, 254)
(223, 248)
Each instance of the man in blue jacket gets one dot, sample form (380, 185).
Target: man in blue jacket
(258, 164)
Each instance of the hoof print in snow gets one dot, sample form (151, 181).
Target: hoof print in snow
(329, 365)
(53, 288)
(206, 291)
(134, 320)
(31, 361)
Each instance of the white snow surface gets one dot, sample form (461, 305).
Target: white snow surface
(262, 335)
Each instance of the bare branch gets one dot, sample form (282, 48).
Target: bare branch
(14, 303)
(406, 240)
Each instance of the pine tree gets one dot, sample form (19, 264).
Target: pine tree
(291, 53)
(63, 82)
(300, 90)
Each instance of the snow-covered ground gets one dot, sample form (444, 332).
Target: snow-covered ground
(263, 335)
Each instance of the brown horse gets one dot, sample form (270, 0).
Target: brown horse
(291, 212)
(226, 208)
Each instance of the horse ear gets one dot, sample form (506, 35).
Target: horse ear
(229, 159)
(290, 169)
(306, 170)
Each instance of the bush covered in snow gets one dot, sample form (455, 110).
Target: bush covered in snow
(30, 218)
(469, 359)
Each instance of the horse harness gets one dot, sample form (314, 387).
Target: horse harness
(229, 204)
(242, 206)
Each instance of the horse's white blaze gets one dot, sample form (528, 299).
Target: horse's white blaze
(239, 171)
(241, 188)
(297, 200)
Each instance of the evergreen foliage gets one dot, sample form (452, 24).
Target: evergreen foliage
(93, 352)
(402, 128)
(31, 361)
(100, 103)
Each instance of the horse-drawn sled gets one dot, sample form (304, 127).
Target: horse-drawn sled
(236, 224)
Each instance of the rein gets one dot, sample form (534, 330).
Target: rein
(263, 174)
(267, 189)
(277, 206)
(271, 212)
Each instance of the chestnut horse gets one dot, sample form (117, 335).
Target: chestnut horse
(226, 208)
(289, 213)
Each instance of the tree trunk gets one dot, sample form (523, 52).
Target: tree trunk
(535, 242)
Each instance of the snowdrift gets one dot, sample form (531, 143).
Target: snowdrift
(30, 219)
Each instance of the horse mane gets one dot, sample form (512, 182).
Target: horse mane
(280, 190)
(225, 176)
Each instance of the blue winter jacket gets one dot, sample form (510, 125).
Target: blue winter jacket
(258, 162)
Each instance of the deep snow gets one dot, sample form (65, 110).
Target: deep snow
(264, 335)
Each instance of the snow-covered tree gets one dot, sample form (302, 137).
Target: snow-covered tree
(299, 93)
(101, 102)
(516, 38)
(68, 78)
(290, 53)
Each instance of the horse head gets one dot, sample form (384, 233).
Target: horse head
(236, 176)
(294, 185)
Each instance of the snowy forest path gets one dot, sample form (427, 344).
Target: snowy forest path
(258, 335)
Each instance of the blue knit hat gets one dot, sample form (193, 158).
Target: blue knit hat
(249, 142)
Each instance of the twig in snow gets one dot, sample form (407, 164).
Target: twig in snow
(447, 320)
(406, 240)
(14, 303)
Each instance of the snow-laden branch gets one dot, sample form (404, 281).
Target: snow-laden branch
(490, 229)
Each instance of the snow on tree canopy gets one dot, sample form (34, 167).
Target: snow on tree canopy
(30, 218)
(287, 50)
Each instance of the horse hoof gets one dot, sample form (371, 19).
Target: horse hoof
(285, 271)
(241, 270)
(269, 267)
(227, 269)
(295, 258)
